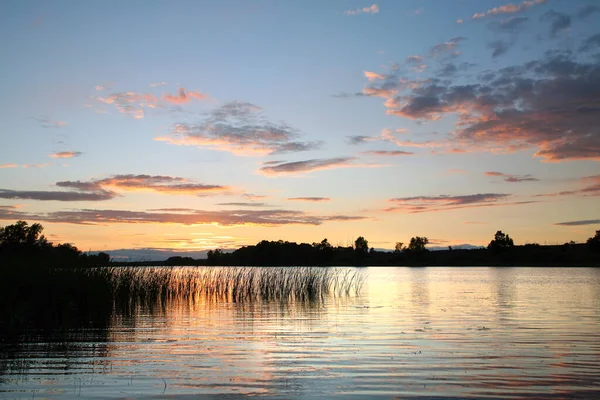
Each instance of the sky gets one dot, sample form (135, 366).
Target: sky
(194, 125)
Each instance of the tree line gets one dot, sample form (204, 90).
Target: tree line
(24, 245)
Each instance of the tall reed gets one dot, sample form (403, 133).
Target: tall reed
(231, 283)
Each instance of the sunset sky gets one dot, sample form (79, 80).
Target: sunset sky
(195, 125)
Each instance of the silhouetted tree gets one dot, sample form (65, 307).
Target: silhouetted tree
(21, 234)
(594, 243)
(501, 242)
(324, 251)
(399, 247)
(361, 246)
(417, 244)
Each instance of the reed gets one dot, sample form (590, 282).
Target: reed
(236, 284)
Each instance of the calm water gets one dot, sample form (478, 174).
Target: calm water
(413, 332)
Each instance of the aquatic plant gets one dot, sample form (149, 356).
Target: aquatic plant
(231, 283)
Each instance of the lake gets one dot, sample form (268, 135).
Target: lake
(456, 332)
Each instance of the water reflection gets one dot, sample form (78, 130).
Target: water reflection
(414, 332)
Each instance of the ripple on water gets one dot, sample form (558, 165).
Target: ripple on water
(427, 332)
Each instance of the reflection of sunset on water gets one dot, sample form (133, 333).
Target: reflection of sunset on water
(479, 332)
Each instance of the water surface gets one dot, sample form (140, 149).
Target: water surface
(412, 332)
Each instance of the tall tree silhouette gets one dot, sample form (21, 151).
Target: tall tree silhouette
(501, 242)
(417, 244)
(594, 243)
(361, 246)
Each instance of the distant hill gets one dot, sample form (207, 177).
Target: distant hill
(150, 254)
(465, 246)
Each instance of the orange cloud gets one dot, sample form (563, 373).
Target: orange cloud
(9, 165)
(99, 189)
(66, 154)
(191, 217)
(371, 76)
(183, 96)
(155, 183)
(44, 165)
(509, 8)
(130, 103)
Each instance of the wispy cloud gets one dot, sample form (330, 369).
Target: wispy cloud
(103, 189)
(310, 199)
(183, 97)
(509, 8)
(499, 48)
(591, 187)
(558, 21)
(240, 128)
(359, 139)
(447, 48)
(372, 9)
(191, 217)
(511, 178)
(421, 204)
(388, 153)
(244, 204)
(66, 154)
(590, 43)
(155, 183)
(43, 165)
(509, 25)
(587, 10)
(46, 122)
(50, 195)
(297, 167)
(130, 103)
(579, 223)
(371, 76)
(156, 84)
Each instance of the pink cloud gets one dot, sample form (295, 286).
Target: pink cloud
(509, 8)
(184, 97)
(9, 165)
(511, 178)
(372, 9)
(371, 76)
(239, 128)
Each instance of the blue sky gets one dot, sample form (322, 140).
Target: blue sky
(196, 125)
